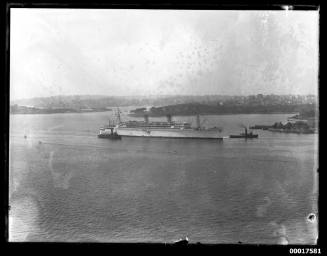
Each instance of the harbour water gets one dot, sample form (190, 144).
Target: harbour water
(65, 184)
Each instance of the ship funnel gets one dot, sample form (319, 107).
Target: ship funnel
(168, 118)
(146, 118)
(198, 124)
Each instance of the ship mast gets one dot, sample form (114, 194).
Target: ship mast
(118, 116)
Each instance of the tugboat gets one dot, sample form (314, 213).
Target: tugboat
(245, 135)
(109, 132)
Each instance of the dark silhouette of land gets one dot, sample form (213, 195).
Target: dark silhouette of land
(204, 109)
(174, 105)
(15, 109)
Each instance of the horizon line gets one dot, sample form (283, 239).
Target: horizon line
(161, 95)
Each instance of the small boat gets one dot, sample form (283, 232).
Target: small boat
(245, 135)
(108, 133)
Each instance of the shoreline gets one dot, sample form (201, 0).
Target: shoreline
(66, 112)
(138, 116)
(215, 114)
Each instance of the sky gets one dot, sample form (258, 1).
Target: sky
(162, 52)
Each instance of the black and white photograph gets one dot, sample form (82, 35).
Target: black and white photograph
(164, 126)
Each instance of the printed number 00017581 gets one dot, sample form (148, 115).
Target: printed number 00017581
(305, 251)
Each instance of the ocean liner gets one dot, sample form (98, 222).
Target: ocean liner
(168, 129)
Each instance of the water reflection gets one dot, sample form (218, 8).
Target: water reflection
(61, 178)
(23, 218)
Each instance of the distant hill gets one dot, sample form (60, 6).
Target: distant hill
(85, 101)
(78, 102)
(205, 109)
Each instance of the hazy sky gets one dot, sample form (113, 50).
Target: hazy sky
(142, 52)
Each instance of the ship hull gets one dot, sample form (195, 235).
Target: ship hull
(109, 136)
(243, 136)
(168, 133)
